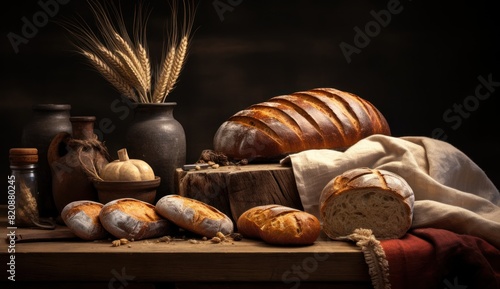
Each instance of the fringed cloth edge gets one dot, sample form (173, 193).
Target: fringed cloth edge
(378, 266)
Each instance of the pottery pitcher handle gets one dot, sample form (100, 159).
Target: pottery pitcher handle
(57, 149)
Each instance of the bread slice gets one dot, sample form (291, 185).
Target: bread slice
(194, 216)
(367, 198)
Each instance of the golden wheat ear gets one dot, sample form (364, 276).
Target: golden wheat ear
(125, 63)
(162, 78)
(176, 63)
(111, 76)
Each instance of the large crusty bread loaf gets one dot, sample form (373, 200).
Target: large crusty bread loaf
(194, 216)
(133, 219)
(367, 198)
(279, 225)
(82, 218)
(321, 118)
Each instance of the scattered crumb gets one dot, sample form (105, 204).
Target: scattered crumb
(221, 236)
(216, 240)
(165, 239)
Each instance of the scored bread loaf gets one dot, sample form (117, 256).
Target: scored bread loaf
(194, 216)
(133, 219)
(82, 218)
(321, 118)
(367, 198)
(279, 225)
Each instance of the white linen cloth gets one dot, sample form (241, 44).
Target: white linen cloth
(451, 191)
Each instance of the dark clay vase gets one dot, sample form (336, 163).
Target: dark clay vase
(71, 157)
(47, 121)
(157, 138)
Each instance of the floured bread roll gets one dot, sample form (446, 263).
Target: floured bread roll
(82, 218)
(194, 216)
(367, 198)
(133, 219)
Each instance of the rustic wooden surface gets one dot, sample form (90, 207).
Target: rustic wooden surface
(235, 189)
(182, 262)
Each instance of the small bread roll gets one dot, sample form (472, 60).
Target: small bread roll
(366, 198)
(133, 219)
(82, 218)
(279, 225)
(194, 216)
(253, 219)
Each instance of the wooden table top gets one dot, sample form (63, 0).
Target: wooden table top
(178, 260)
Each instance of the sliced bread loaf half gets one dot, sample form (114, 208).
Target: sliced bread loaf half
(367, 198)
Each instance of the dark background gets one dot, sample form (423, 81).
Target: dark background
(423, 63)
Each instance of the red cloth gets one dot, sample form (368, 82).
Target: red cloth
(436, 258)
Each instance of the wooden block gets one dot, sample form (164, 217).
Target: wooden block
(235, 189)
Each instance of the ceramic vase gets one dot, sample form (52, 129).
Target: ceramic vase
(47, 121)
(71, 157)
(157, 138)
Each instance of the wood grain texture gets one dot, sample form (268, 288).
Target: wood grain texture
(244, 261)
(235, 189)
(182, 261)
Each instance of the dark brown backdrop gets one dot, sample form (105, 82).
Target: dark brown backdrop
(418, 66)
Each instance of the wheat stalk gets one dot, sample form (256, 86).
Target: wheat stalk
(146, 65)
(127, 65)
(132, 61)
(177, 65)
(116, 63)
(110, 75)
(162, 79)
(135, 76)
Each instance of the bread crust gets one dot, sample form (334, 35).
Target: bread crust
(133, 219)
(279, 225)
(82, 218)
(194, 216)
(321, 118)
(250, 222)
(367, 198)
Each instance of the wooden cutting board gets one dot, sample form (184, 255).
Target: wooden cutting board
(235, 189)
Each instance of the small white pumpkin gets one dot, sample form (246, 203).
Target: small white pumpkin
(125, 169)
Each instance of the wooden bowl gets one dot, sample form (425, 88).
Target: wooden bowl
(141, 190)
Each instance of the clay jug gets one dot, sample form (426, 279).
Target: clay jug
(72, 159)
(47, 121)
(157, 138)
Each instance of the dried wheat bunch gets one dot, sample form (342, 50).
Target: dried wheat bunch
(124, 61)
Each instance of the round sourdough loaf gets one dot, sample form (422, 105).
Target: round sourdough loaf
(367, 198)
(279, 225)
(82, 218)
(133, 219)
(194, 216)
(321, 118)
